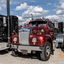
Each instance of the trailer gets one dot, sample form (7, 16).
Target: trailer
(4, 29)
(8, 27)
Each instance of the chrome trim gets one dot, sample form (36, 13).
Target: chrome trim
(3, 45)
(14, 46)
(25, 29)
(24, 36)
(54, 44)
(29, 48)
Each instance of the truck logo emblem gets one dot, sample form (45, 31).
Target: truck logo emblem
(23, 30)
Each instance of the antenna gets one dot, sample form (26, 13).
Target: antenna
(32, 16)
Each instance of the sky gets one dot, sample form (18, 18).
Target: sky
(51, 9)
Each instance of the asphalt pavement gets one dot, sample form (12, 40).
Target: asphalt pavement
(7, 58)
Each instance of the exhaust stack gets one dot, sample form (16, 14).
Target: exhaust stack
(8, 17)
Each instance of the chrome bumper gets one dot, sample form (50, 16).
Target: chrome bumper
(54, 44)
(29, 48)
(3, 45)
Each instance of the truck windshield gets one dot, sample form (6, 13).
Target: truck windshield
(38, 23)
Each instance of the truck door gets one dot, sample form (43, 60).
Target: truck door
(50, 29)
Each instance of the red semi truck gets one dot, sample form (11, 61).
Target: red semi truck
(37, 37)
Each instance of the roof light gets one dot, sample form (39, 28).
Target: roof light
(47, 19)
(38, 19)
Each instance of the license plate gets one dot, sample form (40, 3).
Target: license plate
(24, 52)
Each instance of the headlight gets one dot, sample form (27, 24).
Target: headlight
(42, 30)
(15, 39)
(34, 40)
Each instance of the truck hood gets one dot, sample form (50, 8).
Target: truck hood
(25, 29)
(32, 28)
(37, 28)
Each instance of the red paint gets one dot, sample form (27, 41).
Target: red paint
(20, 27)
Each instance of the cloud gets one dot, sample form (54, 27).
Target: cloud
(31, 9)
(3, 1)
(20, 18)
(0, 8)
(34, 1)
(60, 8)
(59, 12)
(2, 4)
(52, 17)
(21, 7)
(59, 18)
(22, 21)
(37, 11)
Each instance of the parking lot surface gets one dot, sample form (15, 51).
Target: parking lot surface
(7, 58)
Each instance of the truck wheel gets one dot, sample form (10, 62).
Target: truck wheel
(14, 53)
(45, 54)
(58, 46)
(62, 45)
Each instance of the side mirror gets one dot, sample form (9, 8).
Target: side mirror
(51, 25)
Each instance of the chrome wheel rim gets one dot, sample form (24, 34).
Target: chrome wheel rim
(47, 51)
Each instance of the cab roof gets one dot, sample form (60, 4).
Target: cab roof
(39, 20)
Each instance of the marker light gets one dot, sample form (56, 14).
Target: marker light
(12, 33)
(40, 33)
(42, 30)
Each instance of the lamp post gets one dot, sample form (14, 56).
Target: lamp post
(8, 15)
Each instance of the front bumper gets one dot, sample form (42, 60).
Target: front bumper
(3, 45)
(28, 48)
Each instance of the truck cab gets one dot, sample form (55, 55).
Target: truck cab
(36, 36)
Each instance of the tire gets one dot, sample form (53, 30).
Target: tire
(45, 55)
(58, 46)
(14, 53)
(62, 45)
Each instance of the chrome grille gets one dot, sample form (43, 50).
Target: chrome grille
(24, 37)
